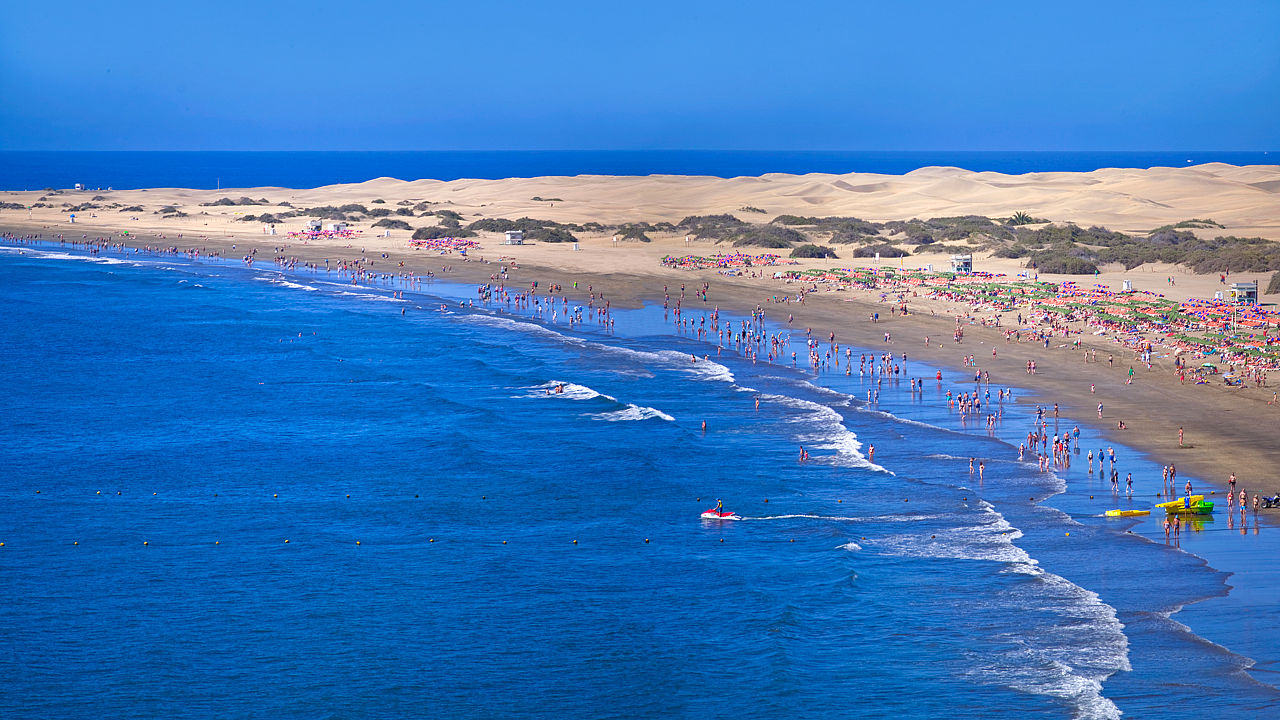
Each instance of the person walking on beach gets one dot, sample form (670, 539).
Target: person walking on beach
(1099, 409)
(1179, 436)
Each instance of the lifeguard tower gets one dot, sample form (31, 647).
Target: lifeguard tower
(1244, 293)
(962, 264)
(515, 237)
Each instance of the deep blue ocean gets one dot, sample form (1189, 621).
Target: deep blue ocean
(232, 492)
(33, 170)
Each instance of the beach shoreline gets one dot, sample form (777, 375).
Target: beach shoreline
(848, 317)
(1225, 431)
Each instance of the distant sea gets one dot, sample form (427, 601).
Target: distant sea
(33, 170)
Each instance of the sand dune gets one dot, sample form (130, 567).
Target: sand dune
(1242, 198)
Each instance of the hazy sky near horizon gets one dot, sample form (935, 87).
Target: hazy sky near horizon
(489, 74)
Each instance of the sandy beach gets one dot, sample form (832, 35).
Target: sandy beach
(1226, 430)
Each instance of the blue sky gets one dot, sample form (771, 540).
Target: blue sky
(483, 74)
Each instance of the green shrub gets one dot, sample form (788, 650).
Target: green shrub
(329, 212)
(884, 249)
(1012, 251)
(540, 230)
(228, 202)
(727, 228)
(919, 239)
(431, 233)
(379, 212)
(1274, 286)
(1062, 263)
(766, 236)
(266, 218)
(393, 224)
(633, 232)
(793, 220)
(813, 251)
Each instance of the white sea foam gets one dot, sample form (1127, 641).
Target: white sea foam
(851, 546)
(989, 538)
(280, 281)
(1068, 659)
(507, 323)
(907, 421)
(845, 518)
(371, 296)
(704, 368)
(700, 368)
(824, 430)
(572, 391)
(55, 255)
(633, 412)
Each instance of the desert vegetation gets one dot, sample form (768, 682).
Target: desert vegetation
(809, 250)
(228, 202)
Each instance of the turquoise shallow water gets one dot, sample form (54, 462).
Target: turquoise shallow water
(214, 412)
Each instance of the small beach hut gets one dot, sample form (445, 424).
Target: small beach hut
(1244, 293)
(314, 225)
(962, 264)
(337, 227)
(516, 237)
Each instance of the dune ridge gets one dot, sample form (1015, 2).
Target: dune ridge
(1130, 200)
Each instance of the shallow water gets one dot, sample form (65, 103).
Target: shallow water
(221, 411)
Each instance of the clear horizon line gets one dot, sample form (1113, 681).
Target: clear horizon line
(634, 150)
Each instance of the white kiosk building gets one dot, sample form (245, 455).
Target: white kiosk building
(515, 237)
(962, 264)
